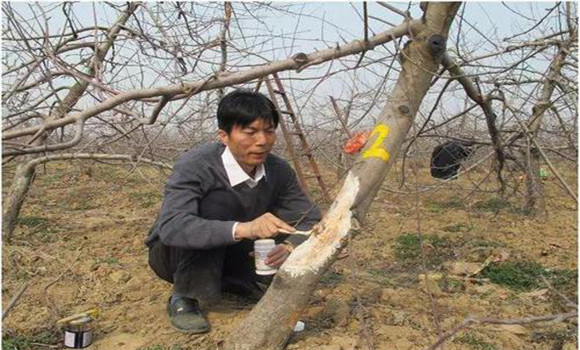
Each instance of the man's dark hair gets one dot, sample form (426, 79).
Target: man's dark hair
(243, 107)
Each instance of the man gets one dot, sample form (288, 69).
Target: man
(219, 198)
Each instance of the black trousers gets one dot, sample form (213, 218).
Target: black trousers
(199, 274)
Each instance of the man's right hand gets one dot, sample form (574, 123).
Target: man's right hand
(265, 226)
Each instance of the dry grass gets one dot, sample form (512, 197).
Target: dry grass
(109, 213)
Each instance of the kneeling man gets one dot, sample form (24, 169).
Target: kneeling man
(219, 198)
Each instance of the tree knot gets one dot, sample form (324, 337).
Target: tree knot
(300, 58)
(436, 45)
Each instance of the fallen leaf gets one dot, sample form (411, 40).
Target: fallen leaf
(569, 346)
(500, 255)
(431, 276)
(541, 294)
(430, 286)
(465, 268)
(486, 288)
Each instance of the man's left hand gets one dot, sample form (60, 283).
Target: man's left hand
(278, 255)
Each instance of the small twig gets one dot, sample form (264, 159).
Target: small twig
(366, 34)
(382, 21)
(525, 320)
(568, 301)
(366, 21)
(366, 331)
(15, 298)
(46, 295)
(432, 301)
(394, 9)
(46, 345)
(340, 117)
(360, 59)
(470, 279)
(451, 333)
(528, 320)
(536, 24)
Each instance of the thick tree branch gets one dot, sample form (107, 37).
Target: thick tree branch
(485, 103)
(298, 61)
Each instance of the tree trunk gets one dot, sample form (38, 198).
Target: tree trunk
(534, 188)
(24, 174)
(269, 325)
(535, 202)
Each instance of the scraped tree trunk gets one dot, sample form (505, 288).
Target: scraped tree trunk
(535, 202)
(24, 174)
(269, 325)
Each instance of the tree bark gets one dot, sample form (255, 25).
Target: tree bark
(228, 10)
(269, 325)
(25, 173)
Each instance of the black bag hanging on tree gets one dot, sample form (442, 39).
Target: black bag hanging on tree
(447, 157)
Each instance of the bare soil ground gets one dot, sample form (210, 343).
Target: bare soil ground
(80, 244)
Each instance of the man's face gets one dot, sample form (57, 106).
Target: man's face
(250, 144)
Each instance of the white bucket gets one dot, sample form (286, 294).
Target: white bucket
(261, 249)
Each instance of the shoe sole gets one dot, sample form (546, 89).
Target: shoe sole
(192, 331)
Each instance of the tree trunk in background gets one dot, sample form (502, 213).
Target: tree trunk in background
(535, 201)
(24, 174)
(269, 325)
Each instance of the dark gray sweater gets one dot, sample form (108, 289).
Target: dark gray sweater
(200, 206)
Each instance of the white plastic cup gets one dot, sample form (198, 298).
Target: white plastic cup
(261, 249)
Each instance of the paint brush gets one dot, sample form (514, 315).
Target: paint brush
(303, 233)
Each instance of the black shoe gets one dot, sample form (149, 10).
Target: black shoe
(186, 316)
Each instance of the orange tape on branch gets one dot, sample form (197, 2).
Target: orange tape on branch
(357, 142)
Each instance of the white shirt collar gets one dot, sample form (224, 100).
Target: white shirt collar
(236, 174)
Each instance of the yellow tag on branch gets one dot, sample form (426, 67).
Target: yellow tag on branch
(376, 149)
